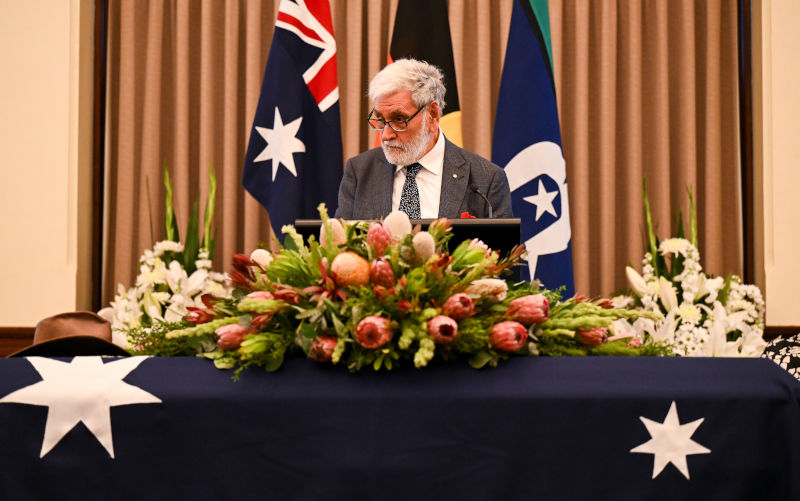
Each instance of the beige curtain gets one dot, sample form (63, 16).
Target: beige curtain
(643, 87)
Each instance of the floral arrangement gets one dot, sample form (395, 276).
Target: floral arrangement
(703, 315)
(383, 294)
(174, 278)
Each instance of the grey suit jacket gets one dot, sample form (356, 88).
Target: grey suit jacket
(366, 188)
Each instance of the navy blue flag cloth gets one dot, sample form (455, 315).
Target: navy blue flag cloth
(294, 157)
(566, 428)
(527, 143)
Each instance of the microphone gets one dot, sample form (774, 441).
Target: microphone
(474, 187)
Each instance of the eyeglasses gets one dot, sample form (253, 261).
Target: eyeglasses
(395, 125)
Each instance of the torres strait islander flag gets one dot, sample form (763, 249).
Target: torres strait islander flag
(294, 157)
(527, 143)
(422, 31)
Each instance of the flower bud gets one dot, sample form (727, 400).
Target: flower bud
(350, 269)
(337, 233)
(592, 337)
(443, 329)
(321, 348)
(230, 337)
(424, 245)
(373, 332)
(458, 306)
(380, 273)
(379, 238)
(529, 310)
(261, 295)
(262, 257)
(508, 336)
(398, 224)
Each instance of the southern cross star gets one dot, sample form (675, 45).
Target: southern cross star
(670, 442)
(83, 390)
(282, 143)
(543, 200)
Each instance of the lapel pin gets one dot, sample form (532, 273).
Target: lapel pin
(455, 176)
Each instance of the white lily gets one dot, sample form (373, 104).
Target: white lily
(636, 281)
(668, 295)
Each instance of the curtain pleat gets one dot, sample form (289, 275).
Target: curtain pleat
(644, 88)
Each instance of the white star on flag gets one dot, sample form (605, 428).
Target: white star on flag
(83, 390)
(282, 143)
(543, 200)
(670, 442)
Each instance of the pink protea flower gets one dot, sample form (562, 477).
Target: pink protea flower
(592, 337)
(529, 310)
(508, 336)
(379, 238)
(321, 348)
(230, 337)
(458, 306)
(261, 295)
(373, 332)
(380, 273)
(443, 329)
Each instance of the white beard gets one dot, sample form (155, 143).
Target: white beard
(406, 154)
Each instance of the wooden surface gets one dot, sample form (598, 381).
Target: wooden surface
(14, 338)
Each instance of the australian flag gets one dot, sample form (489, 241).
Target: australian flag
(527, 143)
(294, 157)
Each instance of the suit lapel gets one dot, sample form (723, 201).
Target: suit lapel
(382, 205)
(454, 181)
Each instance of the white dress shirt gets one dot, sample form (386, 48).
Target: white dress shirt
(429, 181)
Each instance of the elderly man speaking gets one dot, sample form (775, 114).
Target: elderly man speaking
(416, 169)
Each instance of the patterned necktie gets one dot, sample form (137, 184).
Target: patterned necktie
(409, 200)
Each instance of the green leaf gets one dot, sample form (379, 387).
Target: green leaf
(225, 363)
(208, 212)
(480, 359)
(192, 244)
(308, 331)
(170, 221)
(274, 363)
(692, 218)
(651, 235)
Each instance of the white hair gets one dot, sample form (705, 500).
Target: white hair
(425, 82)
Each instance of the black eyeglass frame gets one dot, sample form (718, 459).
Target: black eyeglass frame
(390, 122)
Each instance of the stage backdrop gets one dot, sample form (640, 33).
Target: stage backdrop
(642, 88)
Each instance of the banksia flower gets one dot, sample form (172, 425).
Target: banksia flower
(337, 233)
(350, 269)
(398, 224)
(508, 336)
(373, 332)
(424, 245)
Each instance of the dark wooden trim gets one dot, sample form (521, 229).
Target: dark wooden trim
(15, 338)
(746, 139)
(771, 332)
(98, 148)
